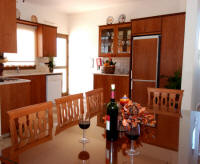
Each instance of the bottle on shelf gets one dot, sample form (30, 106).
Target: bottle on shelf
(111, 117)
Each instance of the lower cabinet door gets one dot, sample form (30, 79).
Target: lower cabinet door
(139, 91)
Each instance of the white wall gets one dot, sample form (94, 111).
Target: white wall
(191, 58)
(45, 15)
(83, 39)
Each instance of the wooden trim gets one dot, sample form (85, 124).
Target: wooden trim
(108, 25)
(122, 55)
(62, 36)
(26, 22)
(20, 67)
(159, 16)
(67, 65)
(128, 25)
(148, 33)
(21, 21)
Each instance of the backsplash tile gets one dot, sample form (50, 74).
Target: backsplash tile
(122, 64)
(40, 67)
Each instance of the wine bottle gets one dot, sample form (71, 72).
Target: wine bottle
(111, 117)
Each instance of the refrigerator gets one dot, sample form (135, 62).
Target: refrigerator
(144, 66)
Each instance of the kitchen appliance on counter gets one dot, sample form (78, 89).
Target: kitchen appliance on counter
(53, 87)
(145, 66)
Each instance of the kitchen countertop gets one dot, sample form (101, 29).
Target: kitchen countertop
(9, 80)
(29, 74)
(14, 81)
(98, 73)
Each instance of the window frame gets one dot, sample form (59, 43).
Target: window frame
(21, 67)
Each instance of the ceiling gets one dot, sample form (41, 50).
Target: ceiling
(76, 6)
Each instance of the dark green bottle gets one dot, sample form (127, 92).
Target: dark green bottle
(111, 117)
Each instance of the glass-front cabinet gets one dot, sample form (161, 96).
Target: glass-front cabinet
(123, 40)
(107, 41)
(115, 40)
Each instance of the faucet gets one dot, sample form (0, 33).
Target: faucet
(17, 69)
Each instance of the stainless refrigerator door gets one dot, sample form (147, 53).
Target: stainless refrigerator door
(145, 66)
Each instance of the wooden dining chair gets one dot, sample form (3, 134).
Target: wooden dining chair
(94, 101)
(165, 101)
(30, 126)
(68, 110)
(4, 160)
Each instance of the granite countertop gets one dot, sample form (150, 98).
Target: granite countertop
(116, 74)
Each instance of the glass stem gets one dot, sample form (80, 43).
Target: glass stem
(83, 133)
(132, 146)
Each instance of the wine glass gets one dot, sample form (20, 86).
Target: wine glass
(84, 123)
(133, 133)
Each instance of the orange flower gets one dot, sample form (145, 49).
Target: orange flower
(124, 122)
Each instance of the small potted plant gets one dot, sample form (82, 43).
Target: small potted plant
(51, 64)
(174, 81)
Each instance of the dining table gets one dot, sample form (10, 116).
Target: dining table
(172, 141)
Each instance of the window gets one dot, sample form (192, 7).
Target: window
(61, 60)
(26, 47)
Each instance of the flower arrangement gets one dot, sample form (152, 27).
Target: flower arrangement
(109, 62)
(133, 114)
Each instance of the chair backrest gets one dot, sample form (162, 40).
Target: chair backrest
(68, 110)
(94, 101)
(167, 100)
(31, 125)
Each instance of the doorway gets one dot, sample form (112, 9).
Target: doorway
(61, 61)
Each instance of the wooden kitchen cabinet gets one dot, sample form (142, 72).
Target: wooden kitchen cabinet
(105, 81)
(115, 40)
(8, 36)
(171, 58)
(13, 96)
(46, 40)
(38, 88)
(107, 41)
(144, 26)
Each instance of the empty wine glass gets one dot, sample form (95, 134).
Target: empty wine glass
(84, 123)
(133, 133)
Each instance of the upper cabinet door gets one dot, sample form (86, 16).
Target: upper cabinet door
(47, 41)
(115, 40)
(8, 37)
(107, 41)
(123, 40)
(146, 26)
